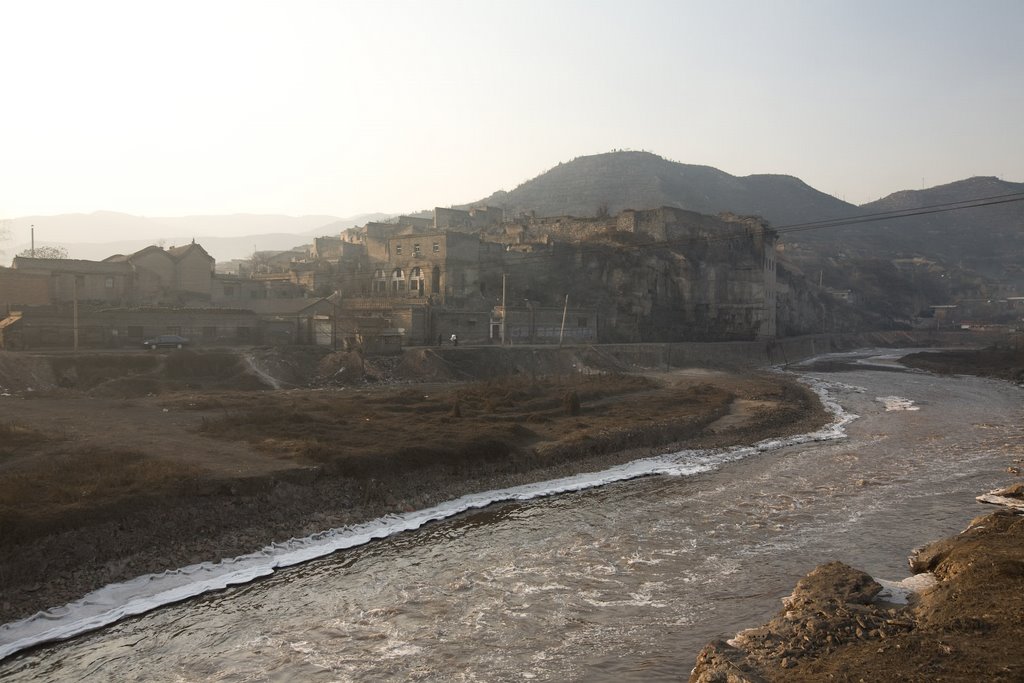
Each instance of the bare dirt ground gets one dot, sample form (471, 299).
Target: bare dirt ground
(1000, 362)
(112, 466)
(966, 627)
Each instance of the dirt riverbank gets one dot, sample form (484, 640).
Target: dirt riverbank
(119, 466)
(999, 362)
(962, 623)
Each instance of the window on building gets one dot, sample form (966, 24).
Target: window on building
(398, 250)
(416, 250)
(437, 247)
(229, 290)
(109, 283)
(416, 281)
(172, 329)
(397, 280)
(380, 283)
(209, 333)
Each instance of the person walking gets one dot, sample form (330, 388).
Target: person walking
(455, 339)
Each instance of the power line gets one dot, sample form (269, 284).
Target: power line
(903, 213)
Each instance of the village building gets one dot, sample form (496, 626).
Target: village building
(80, 280)
(123, 300)
(434, 280)
(149, 276)
(654, 275)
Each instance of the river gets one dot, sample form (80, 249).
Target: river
(625, 581)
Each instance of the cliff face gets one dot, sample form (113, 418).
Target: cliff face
(665, 275)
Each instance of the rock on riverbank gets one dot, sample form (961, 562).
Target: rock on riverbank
(838, 626)
(963, 623)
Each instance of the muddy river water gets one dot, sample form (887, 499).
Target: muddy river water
(620, 582)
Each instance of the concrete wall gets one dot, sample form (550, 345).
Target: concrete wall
(500, 360)
(759, 354)
(128, 327)
(544, 325)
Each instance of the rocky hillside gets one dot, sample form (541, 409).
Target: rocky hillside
(641, 180)
(979, 233)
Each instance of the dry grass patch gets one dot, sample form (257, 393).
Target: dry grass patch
(15, 436)
(66, 491)
(81, 477)
(466, 426)
(88, 371)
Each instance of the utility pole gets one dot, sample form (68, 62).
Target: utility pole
(565, 310)
(334, 324)
(74, 321)
(504, 278)
(33, 251)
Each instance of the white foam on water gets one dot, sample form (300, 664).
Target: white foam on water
(894, 403)
(900, 592)
(117, 601)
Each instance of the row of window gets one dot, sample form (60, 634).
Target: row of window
(416, 251)
(397, 280)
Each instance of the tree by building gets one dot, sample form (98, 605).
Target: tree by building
(45, 252)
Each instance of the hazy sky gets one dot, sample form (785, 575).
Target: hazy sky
(303, 107)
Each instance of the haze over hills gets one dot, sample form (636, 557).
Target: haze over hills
(104, 233)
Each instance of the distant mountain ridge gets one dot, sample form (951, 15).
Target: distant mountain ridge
(641, 180)
(986, 239)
